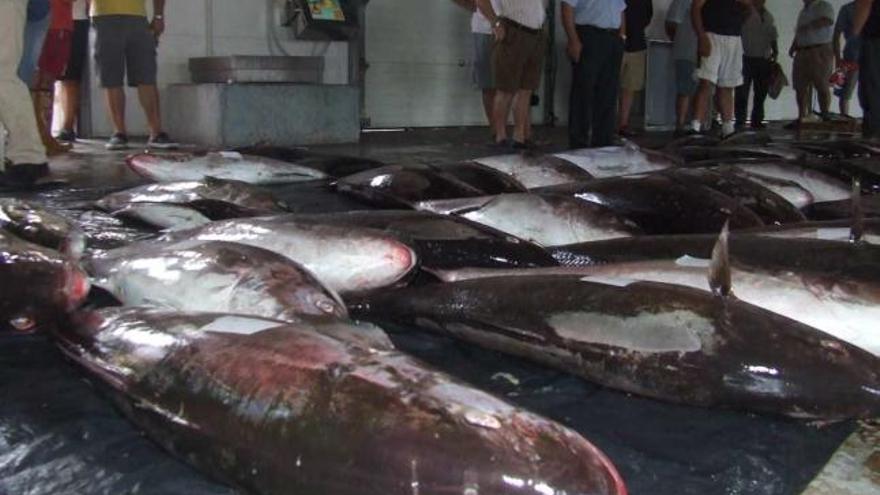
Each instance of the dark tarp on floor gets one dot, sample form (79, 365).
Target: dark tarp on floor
(58, 435)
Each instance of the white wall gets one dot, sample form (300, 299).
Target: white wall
(240, 27)
(784, 11)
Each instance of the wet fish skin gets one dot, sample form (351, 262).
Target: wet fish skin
(830, 230)
(484, 178)
(162, 216)
(445, 242)
(820, 186)
(660, 205)
(332, 165)
(218, 199)
(286, 410)
(345, 259)
(214, 276)
(617, 161)
(779, 151)
(664, 341)
(397, 186)
(41, 225)
(39, 285)
(533, 170)
(770, 206)
(545, 219)
(178, 167)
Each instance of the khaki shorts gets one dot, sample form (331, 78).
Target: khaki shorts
(518, 58)
(632, 71)
(812, 67)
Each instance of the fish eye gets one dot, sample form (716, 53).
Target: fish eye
(325, 305)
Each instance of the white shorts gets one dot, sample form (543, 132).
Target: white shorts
(723, 66)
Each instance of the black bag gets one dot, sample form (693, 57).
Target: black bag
(777, 80)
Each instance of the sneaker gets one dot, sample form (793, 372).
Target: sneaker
(118, 141)
(162, 141)
(24, 174)
(811, 119)
(66, 136)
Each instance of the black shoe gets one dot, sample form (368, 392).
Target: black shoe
(161, 141)
(523, 146)
(66, 136)
(504, 145)
(117, 142)
(626, 132)
(24, 174)
(758, 125)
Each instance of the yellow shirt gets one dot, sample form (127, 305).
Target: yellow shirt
(119, 7)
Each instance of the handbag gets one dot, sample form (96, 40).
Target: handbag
(778, 80)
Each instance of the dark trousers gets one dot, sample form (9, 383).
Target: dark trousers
(869, 87)
(592, 108)
(756, 72)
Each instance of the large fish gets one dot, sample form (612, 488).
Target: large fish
(162, 216)
(777, 152)
(444, 242)
(821, 187)
(41, 225)
(829, 230)
(180, 167)
(771, 207)
(331, 165)
(789, 190)
(217, 199)
(615, 161)
(397, 186)
(842, 209)
(282, 409)
(536, 170)
(346, 259)
(484, 178)
(660, 205)
(545, 219)
(213, 276)
(847, 307)
(37, 284)
(664, 341)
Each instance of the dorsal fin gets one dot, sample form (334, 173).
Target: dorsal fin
(857, 229)
(719, 268)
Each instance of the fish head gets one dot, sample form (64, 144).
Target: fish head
(154, 165)
(75, 286)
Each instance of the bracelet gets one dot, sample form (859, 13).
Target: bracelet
(159, 16)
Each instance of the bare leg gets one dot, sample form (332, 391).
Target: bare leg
(488, 105)
(70, 103)
(501, 110)
(149, 98)
(626, 101)
(725, 103)
(701, 101)
(116, 105)
(682, 105)
(824, 94)
(521, 106)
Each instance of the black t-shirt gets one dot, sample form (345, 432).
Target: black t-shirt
(724, 17)
(872, 27)
(638, 16)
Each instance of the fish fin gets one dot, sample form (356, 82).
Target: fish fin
(857, 229)
(719, 268)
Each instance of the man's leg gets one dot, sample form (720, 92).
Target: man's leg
(149, 98)
(581, 96)
(69, 103)
(488, 105)
(762, 87)
(725, 101)
(869, 87)
(16, 109)
(742, 92)
(521, 107)
(116, 105)
(701, 103)
(682, 105)
(502, 111)
(824, 67)
(609, 55)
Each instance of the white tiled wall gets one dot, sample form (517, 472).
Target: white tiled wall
(240, 27)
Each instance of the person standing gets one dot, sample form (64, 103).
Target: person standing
(848, 58)
(26, 157)
(760, 50)
(718, 25)
(813, 58)
(52, 64)
(73, 74)
(596, 30)
(125, 46)
(483, 39)
(680, 30)
(867, 25)
(633, 65)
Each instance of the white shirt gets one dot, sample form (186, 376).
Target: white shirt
(479, 23)
(529, 13)
(684, 46)
(80, 10)
(816, 9)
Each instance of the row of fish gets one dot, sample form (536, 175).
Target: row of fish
(248, 333)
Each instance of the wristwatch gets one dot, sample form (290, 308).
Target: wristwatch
(497, 22)
(159, 16)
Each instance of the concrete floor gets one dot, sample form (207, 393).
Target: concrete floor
(90, 171)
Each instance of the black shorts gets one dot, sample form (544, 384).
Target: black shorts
(78, 52)
(124, 47)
